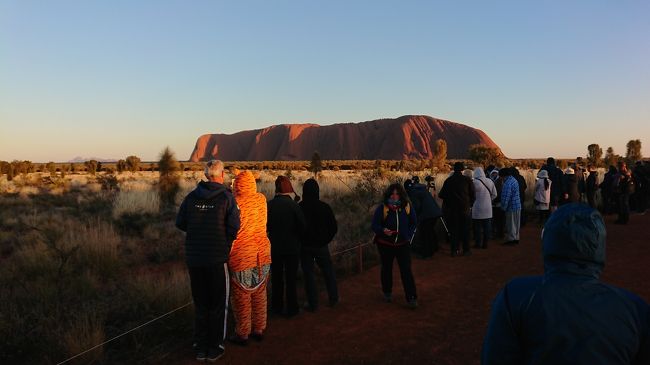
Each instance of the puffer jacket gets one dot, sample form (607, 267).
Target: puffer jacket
(568, 316)
(250, 255)
(485, 192)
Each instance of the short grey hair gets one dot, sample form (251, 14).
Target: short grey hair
(214, 168)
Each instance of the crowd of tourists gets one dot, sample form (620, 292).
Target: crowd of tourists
(236, 239)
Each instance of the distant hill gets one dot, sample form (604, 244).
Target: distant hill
(409, 136)
(79, 159)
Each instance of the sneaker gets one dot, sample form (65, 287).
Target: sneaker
(215, 354)
(201, 355)
(412, 303)
(238, 340)
(388, 297)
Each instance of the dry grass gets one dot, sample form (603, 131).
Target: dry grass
(136, 202)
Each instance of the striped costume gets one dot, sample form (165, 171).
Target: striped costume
(250, 259)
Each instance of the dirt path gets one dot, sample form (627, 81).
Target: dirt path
(454, 296)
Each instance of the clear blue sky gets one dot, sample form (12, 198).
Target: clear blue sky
(113, 78)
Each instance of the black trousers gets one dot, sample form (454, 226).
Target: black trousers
(459, 225)
(321, 256)
(623, 208)
(284, 270)
(210, 290)
(402, 253)
(498, 222)
(427, 238)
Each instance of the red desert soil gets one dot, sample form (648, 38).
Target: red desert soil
(449, 325)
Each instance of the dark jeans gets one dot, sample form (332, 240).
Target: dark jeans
(481, 238)
(623, 208)
(591, 199)
(499, 220)
(284, 267)
(210, 287)
(426, 237)
(320, 255)
(459, 226)
(543, 215)
(402, 253)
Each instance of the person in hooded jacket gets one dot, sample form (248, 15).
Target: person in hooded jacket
(623, 187)
(498, 215)
(485, 192)
(427, 211)
(321, 229)
(250, 262)
(285, 226)
(511, 205)
(568, 316)
(571, 192)
(543, 195)
(210, 217)
(457, 194)
(394, 223)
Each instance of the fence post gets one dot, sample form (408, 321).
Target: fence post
(360, 258)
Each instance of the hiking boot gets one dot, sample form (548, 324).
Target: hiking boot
(215, 354)
(412, 303)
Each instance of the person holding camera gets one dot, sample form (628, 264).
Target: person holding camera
(394, 223)
(427, 211)
(458, 196)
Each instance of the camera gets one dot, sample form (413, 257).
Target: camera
(431, 182)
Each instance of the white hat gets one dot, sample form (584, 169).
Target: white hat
(569, 171)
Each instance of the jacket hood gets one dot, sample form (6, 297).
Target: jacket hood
(478, 173)
(245, 184)
(573, 241)
(208, 189)
(542, 174)
(310, 190)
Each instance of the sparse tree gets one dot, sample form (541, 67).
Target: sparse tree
(485, 155)
(51, 168)
(64, 170)
(316, 165)
(169, 177)
(91, 166)
(611, 159)
(133, 163)
(120, 166)
(439, 154)
(633, 153)
(594, 155)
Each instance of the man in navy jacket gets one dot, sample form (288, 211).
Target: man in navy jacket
(210, 216)
(568, 316)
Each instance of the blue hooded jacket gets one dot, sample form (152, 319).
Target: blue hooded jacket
(568, 316)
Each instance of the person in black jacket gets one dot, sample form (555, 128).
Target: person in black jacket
(557, 182)
(568, 315)
(210, 216)
(522, 193)
(394, 223)
(591, 185)
(458, 197)
(623, 187)
(607, 190)
(428, 212)
(285, 225)
(570, 189)
(321, 229)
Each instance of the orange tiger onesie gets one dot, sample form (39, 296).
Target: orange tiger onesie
(250, 259)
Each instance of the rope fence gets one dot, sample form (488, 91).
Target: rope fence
(358, 247)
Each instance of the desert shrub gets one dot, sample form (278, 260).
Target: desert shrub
(134, 202)
(168, 182)
(133, 163)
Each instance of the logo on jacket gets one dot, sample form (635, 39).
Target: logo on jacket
(203, 206)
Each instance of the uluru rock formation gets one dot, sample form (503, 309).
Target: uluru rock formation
(409, 136)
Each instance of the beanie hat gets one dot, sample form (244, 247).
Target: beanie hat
(283, 185)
